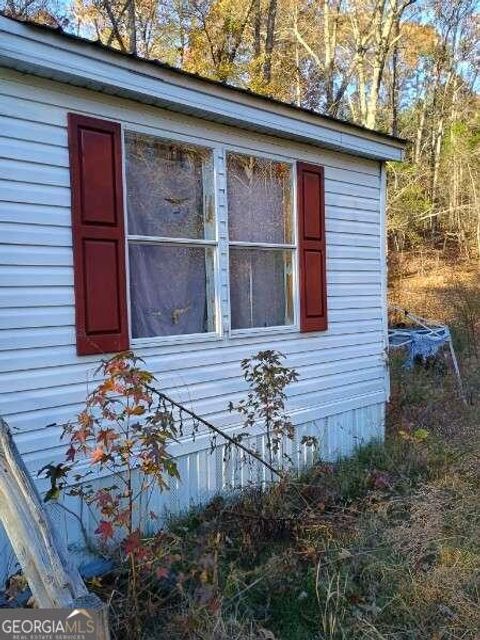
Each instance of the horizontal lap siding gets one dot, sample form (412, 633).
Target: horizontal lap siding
(55, 376)
(42, 381)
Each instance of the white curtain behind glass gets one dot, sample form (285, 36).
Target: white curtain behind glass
(166, 198)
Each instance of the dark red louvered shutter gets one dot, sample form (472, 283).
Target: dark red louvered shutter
(312, 250)
(98, 235)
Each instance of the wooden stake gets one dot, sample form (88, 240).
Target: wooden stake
(52, 577)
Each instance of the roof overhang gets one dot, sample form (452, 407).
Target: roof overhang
(47, 53)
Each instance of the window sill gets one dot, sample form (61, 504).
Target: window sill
(166, 341)
(205, 338)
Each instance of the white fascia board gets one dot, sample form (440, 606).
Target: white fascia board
(74, 62)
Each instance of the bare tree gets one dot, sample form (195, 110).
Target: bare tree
(269, 40)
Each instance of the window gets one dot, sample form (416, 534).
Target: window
(171, 237)
(262, 242)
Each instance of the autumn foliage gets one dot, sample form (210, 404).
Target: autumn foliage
(123, 432)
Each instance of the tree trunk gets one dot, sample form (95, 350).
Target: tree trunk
(132, 20)
(270, 40)
(328, 62)
(394, 88)
(298, 86)
(419, 137)
(383, 31)
(362, 88)
(257, 26)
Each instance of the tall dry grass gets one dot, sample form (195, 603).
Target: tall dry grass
(383, 546)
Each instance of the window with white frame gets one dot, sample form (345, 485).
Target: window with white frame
(261, 241)
(172, 237)
(158, 274)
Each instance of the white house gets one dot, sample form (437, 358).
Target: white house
(144, 207)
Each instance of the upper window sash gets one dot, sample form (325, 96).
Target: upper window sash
(170, 189)
(260, 200)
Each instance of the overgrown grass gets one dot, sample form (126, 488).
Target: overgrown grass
(382, 545)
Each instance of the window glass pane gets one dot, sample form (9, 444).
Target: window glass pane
(171, 290)
(169, 188)
(260, 287)
(259, 200)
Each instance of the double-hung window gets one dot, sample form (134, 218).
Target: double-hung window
(158, 271)
(261, 242)
(171, 237)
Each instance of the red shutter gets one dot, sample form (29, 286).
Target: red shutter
(98, 235)
(311, 227)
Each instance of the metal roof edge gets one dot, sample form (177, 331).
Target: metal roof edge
(264, 102)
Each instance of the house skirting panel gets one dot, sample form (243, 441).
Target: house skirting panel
(205, 474)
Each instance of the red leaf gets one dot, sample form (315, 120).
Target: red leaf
(123, 517)
(163, 572)
(132, 542)
(71, 451)
(105, 530)
(81, 435)
(103, 498)
(106, 436)
(97, 455)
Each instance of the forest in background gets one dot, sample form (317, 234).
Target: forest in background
(405, 67)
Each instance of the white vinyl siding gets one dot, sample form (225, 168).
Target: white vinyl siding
(43, 381)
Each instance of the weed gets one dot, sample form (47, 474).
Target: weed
(381, 545)
(264, 406)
